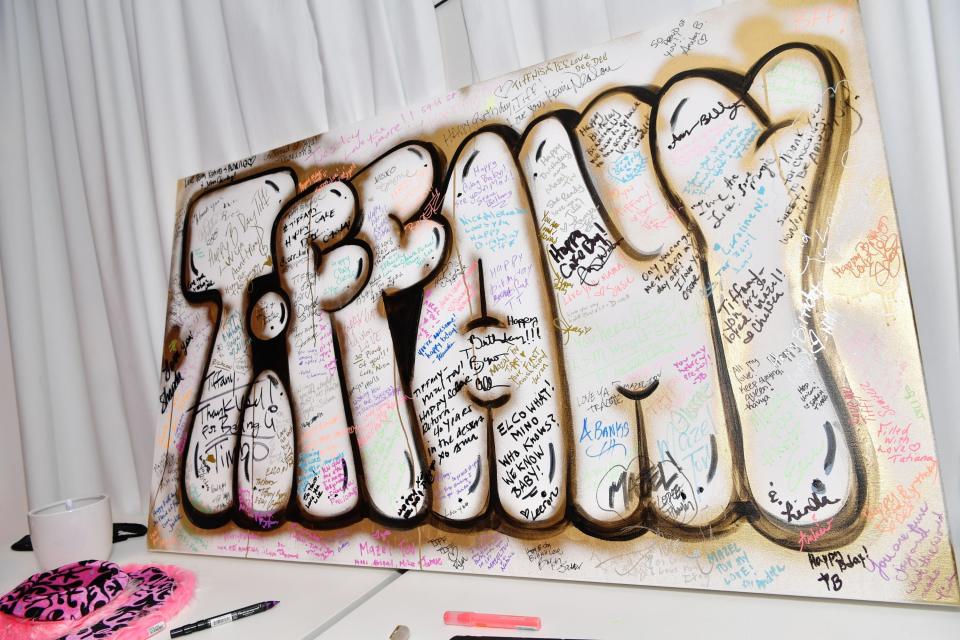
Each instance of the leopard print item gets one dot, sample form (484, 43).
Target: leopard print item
(155, 587)
(69, 592)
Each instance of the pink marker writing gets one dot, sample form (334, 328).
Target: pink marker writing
(491, 620)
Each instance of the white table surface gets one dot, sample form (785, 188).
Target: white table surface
(310, 595)
(332, 602)
(609, 612)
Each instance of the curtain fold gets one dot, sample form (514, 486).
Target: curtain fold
(506, 35)
(906, 43)
(107, 103)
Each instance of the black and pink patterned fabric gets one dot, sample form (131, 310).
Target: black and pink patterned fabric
(69, 592)
(88, 600)
(155, 587)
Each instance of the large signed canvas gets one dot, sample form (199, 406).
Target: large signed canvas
(637, 314)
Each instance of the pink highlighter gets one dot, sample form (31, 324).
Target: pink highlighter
(491, 620)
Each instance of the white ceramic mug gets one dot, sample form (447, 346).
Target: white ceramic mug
(71, 530)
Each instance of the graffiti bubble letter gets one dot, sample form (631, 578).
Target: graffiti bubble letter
(226, 246)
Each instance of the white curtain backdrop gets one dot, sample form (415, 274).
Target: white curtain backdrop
(104, 104)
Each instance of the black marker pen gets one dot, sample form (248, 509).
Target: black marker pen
(230, 616)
